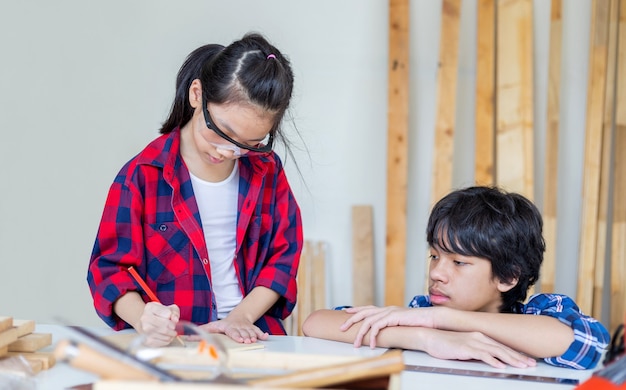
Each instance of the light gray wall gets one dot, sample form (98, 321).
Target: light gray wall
(84, 86)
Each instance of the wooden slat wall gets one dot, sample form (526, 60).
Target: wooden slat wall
(485, 93)
(548, 269)
(397, 151)
(593, 150)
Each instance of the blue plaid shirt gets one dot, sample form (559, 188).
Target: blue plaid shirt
(590, 336)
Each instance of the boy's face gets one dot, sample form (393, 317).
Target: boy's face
(464, 282)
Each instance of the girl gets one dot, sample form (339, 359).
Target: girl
(205, 213)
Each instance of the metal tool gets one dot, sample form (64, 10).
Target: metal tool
(491, 374)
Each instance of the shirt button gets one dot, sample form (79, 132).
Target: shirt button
(205, 261)
(163, 227)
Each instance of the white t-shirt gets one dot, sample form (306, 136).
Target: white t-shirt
(217, 203)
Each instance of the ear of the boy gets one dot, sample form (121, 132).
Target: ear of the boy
(506, 285)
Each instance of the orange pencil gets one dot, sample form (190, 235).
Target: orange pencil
(149, 292)
(144, 286)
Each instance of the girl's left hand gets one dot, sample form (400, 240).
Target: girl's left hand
(239, 329)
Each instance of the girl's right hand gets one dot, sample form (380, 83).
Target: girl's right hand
(158, 324)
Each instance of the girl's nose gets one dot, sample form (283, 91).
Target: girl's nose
(437, 271)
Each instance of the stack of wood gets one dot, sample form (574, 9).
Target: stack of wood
(18, 338)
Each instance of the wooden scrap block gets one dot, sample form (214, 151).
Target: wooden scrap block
(4, 350)
(5, 323)
(8, 336)
(24, 327)
(46, 358)
(31, 342)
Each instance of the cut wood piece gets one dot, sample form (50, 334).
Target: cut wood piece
(335, 375)
(618, 228)
(305, 273)
(4, 351)
(446, 99)
(593, 150)
(8, 336)
(548, 267)
(47, 359)
(514, 134)
(31, 342)
(24, 327)
(363, 255)
(485, 93)
(5, 323)
(397, 151)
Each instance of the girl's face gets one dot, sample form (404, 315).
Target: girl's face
(464, 282)
(244, 123)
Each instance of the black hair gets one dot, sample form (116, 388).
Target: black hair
(488, 222)
(248, 71)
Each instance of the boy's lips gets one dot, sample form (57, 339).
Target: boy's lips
(437, 297)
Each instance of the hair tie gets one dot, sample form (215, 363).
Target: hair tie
(270, 56)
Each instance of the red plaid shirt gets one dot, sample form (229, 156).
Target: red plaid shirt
(151, 221)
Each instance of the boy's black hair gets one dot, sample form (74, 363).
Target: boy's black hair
(490, 223)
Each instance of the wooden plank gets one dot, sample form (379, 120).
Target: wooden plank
(46, 359)
(593, 151)
(514, 68)
(24, 327)
(304, 305)
(618, 227)
(318, 283)
(548, 267)
(8, 336)
(606, 159)
(485, 93)
(397, 151)
(446, 99)
(362, 255)
(31, 342)
(5, 323)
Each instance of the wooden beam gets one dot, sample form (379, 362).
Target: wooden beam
(593, 151)
(397, 151)
(485, 93)
(514, 133)
(618, 228)
(362, 256)
(606, 159)
(446, 99)
(548, 267)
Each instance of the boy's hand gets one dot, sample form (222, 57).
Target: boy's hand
(474, 346)
(373, 319)
(237, 328)
(158, 324)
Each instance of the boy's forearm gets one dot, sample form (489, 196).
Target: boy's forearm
(535, 335)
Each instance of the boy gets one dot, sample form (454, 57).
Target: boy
(486, 248)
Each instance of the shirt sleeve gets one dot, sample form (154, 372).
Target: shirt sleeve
(590, 336)
(118, 245)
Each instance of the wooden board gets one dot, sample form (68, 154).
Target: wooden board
(318, 268)
(46, 359)
(618, 227)
(593, 149)
(514, 133)
(548, 267)
(362, 256)
(124, 341)
(446, 99)
(304, 305)
(5, 323)
(8, 336)
(24, 327)
(606, 159)
(485, 93)
(31, 342)
(397, 151)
